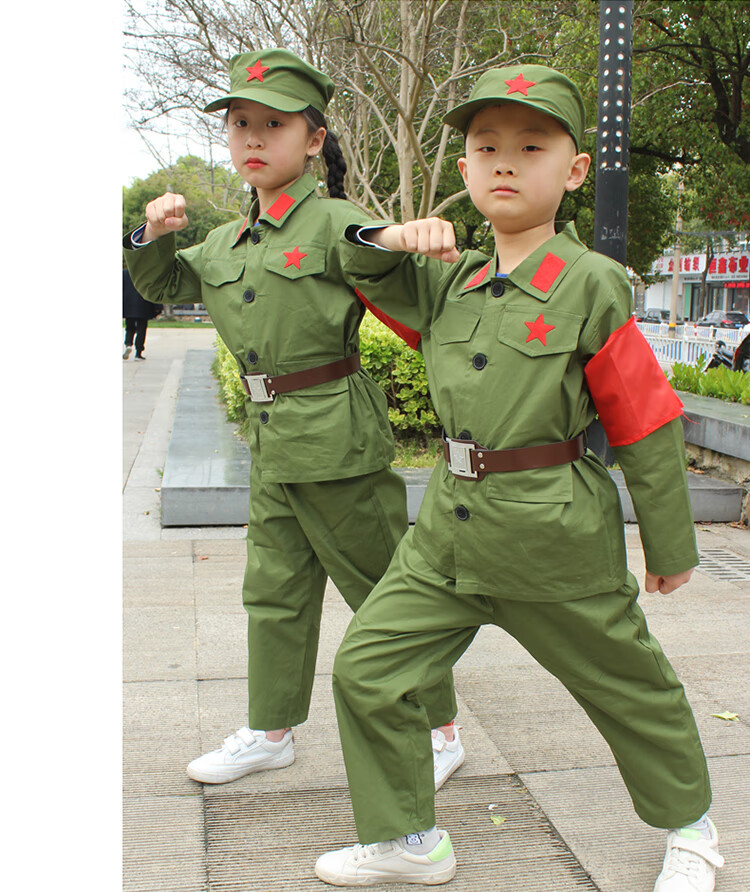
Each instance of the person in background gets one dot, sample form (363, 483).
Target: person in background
(136, 312)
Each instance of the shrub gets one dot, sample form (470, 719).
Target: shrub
(721, 383)
(231, 391)
(400, 373)
(397, 369)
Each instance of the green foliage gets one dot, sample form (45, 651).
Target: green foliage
(213, 194)
(396, 368)
(400, 373)
(721, 383)
(231, 391)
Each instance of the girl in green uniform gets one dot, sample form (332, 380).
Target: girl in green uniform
(324, 501)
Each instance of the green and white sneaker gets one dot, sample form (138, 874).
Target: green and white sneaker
(242, 753)
(690, 863)
(388, 862)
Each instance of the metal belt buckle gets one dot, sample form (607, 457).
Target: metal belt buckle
(258, 388)
(459, 457)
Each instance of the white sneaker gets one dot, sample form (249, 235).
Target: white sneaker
(447, 756)
(242, 753)
(690, 863)
(387, 862)
(126, 352)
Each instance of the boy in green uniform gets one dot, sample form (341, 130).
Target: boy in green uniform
(521, 526)
(324, 501)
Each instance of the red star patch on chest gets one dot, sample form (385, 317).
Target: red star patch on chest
(257, 71)
(538, 329)
(519, 85)
(294, 257)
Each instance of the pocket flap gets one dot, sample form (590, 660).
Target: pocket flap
(550, 485)
(456, 323)
(222, 272)
(539, 333)
(296, 261)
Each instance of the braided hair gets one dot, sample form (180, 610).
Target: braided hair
(332, 154)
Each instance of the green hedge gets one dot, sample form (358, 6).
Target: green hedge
(721, 383)
(396, 368)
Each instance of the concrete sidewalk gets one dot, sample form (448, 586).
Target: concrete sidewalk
(530, 748)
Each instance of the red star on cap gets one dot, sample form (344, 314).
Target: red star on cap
(293, 257)
(519, 85)
(257, 71)
(538, 329)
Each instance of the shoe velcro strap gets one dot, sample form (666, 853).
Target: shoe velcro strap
(695, 846)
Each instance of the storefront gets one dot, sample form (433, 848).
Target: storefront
(724, 286)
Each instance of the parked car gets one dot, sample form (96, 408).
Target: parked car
(725, 319)
(659, 316)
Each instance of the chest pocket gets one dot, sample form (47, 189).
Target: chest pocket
(223, 272)
(296, 261)
(536, 331)
(455, 324)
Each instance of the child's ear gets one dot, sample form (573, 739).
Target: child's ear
(579, 167)
(316, 141)
(462, 167)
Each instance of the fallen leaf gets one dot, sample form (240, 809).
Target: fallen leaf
(497, 819)
(727, 716)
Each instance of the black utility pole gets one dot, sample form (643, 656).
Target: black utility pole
(613, 129)
(612, 154)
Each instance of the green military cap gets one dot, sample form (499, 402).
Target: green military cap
(537, 86)
(278, 79)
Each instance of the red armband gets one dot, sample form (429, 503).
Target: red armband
(629, 389)
(411, 337)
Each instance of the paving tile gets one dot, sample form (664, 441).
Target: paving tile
(164, 844)
(160, 736)
(592, 812)
(158, 644)
(270, 841)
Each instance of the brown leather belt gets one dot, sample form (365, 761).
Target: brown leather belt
(262, 388)
(467, 459)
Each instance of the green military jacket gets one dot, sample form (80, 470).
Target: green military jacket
(505, 363)
(277, 296)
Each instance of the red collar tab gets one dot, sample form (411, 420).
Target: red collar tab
(538, 330)
(293, 257)
(281, 206)
(479, 277)
(242, 229)
(257, 71)
(519, 85)
(549, 269)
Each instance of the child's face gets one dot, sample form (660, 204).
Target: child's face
(519, 162)
(269, 148)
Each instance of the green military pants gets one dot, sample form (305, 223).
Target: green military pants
(298, 534)
(414, 627)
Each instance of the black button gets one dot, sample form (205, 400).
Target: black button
(263, 417)
(462, 513)
(254, 237)
(249, 296)
(252, 357)
(479, 361)
(498, 288)
(464, 435)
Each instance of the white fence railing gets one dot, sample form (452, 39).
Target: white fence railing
(691, 332)
(679, 349)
